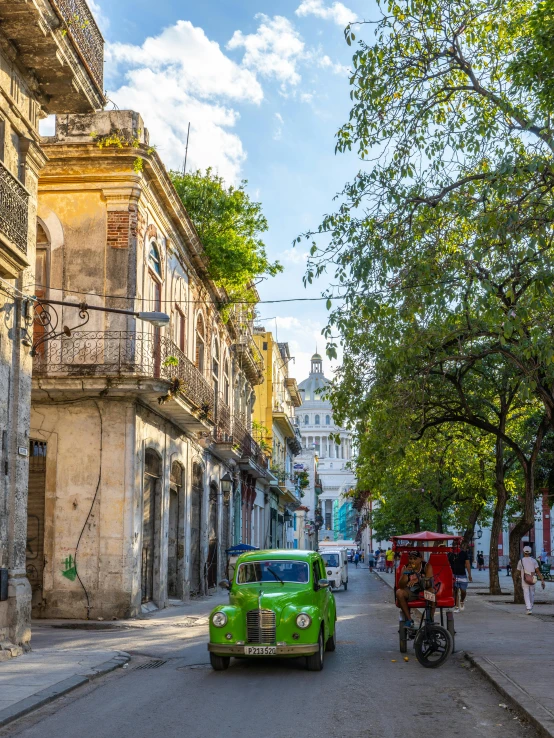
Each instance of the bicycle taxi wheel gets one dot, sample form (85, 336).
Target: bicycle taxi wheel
(433, 645)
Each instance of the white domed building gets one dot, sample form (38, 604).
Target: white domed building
(315, 420)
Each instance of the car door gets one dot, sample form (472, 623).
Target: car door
(321, 593)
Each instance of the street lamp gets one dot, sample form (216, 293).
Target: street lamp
(226, 483)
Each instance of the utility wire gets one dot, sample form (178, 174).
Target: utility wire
(191, 302)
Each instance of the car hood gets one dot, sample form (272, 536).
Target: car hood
(274, 597)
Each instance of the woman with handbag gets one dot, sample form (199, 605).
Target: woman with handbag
(530, 570)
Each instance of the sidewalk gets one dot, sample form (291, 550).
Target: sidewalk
(510, 648)
(69, 653)
(33, 679)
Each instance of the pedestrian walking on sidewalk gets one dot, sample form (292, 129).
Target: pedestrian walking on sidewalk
(459, 563)
(530, 570)
(371, 560)
(389, 559)
(356, 559)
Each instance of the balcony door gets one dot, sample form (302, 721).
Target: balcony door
(213, 541)
(41, 283)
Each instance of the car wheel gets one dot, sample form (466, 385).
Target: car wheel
(315, 661)
(219, 663)
(331, 644)
(346, 585)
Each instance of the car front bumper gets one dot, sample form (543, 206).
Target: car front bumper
(230, 649)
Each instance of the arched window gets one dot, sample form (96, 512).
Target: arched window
(317, 419)
(179, 328)
(306, 420)
(200, 342)
(154, 261)
(327, 420)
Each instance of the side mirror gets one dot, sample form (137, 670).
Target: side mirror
(323, 583)
(225, 584)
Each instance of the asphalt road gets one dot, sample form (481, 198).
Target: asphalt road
(361, 693)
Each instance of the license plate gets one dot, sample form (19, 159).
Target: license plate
(260, 650)
(429, 596)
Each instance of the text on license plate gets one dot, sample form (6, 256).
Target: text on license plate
(429, 596)
(260, 650)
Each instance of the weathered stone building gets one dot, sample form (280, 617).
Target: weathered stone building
(51, 61)
(135, 424)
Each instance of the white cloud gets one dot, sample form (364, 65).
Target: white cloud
(275, 50)
(181, 76)
(278, 134)
(294, 256)
(337, 12)
(325, 62)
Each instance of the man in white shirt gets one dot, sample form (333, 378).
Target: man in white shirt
(530, 570)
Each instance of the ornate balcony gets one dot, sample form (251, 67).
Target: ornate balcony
(14, 224)
(249, 355)
(188, 396)
(60, 45)
(85, 36)
(252, 459)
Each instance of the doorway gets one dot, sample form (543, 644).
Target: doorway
(152, 475)
(175, 547)
(34, 554)
(212, 537)
(195, 528)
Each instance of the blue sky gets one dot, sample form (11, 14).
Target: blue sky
(265, 88)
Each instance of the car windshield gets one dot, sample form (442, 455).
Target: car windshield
(273, 571)
(331, 559)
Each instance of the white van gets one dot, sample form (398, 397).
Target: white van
(336, 566)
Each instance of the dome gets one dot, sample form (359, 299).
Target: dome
(316, 357)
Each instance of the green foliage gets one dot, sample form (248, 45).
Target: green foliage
(443, 246)
(229, 225)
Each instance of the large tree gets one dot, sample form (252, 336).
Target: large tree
(442, 245)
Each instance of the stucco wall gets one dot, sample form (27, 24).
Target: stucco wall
(94, 483)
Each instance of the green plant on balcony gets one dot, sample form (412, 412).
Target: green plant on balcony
(176, 387)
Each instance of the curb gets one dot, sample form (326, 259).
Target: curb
(541, 718)
(24, 707)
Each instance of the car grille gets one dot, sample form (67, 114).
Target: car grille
(260, 626)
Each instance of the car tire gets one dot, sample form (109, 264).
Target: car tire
(219, 663)
(346, 585)
(331, 644)
(402, 637)
(315, 661)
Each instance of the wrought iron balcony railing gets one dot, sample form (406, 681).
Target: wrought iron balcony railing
(85, 36)
(223, 431)
(249, 448)
(100, 353)
(14, 209)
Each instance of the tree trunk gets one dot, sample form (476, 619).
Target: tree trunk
(439, 523)
(496, 528)
(417, 525)
(469, 531)
(524, 524)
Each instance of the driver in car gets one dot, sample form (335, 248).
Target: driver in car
(415, 577)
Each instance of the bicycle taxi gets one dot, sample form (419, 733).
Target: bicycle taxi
(433, 643)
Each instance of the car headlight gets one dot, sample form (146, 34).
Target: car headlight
(219, 619)
(303, 620)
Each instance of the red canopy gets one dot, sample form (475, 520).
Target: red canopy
(427, 535)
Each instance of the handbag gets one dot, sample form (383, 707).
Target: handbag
(529, 578)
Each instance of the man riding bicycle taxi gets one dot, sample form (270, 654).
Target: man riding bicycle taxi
(415, 577)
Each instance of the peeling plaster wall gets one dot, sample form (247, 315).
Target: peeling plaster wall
(110, 513)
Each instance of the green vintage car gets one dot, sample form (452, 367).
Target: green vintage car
(280, 604)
